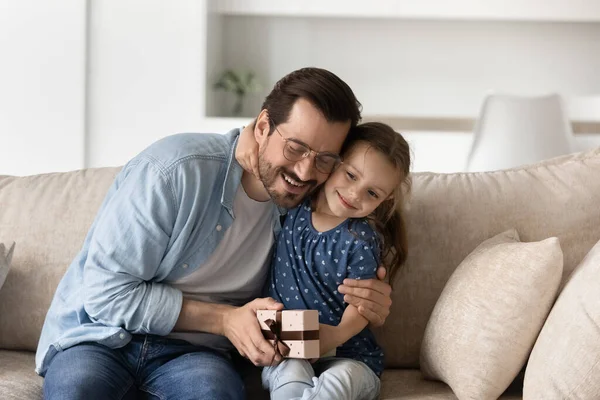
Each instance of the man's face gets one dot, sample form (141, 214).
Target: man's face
(289, 182)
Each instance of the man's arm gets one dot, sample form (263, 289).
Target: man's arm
(121, 275)
(238, 324)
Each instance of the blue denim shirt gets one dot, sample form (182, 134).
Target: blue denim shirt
(156, 223)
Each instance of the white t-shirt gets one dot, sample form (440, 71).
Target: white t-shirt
(236, 272)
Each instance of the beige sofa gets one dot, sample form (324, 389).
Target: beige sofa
(449, 215)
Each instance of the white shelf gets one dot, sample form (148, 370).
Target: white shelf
(589, 125)
(583, 111)
(494, 10)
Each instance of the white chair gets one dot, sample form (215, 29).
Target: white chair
(517, 130)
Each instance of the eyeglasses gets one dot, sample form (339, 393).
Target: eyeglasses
(294, 150)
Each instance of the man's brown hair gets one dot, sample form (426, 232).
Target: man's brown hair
(323, 89)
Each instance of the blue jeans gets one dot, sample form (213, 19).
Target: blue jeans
(149, 367)
(328, 378)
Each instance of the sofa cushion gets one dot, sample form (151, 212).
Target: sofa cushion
(451, 214)
(490, 313)
(48, 216)
(409, 384)
(6, 254)
(565, 361)
(18, 380)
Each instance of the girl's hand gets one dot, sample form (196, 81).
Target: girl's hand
(246, 152)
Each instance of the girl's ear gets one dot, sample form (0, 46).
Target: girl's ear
(394, 198)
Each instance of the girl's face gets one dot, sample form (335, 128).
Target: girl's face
(359, 185)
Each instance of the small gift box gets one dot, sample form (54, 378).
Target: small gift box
(298, 329)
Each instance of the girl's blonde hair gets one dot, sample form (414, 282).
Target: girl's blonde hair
(388, 218)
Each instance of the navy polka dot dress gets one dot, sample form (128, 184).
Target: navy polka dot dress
(308, 266)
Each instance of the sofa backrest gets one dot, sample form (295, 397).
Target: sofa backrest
(451, 214)
(448, 216)
(48, 217)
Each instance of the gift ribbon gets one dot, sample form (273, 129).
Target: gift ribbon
(275, 332)
(274, 329)
(278, 335)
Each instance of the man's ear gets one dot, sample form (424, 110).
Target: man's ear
(262, 127)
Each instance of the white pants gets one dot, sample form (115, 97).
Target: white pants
(328, 378)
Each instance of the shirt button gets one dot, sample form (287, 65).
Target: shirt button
(219, 227)
(121, 336)
(184, 266)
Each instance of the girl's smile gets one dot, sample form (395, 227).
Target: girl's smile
(345, 202)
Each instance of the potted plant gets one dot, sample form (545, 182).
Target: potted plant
(240, 83)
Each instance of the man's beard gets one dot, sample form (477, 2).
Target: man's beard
(268, 177)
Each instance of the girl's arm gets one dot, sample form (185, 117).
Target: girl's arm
(331, 337)
(362, 264)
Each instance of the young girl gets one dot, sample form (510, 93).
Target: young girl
(345, 230)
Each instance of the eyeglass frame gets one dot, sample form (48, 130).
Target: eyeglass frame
(337, 159)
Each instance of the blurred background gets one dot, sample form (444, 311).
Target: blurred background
(473, 85)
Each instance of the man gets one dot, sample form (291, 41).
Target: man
(162, 290)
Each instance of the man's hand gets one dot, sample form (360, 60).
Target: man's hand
(370, 296)
(241, 327)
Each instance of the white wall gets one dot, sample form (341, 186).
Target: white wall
(42, 85)
(146, 75)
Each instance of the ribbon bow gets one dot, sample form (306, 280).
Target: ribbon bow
(275, 332)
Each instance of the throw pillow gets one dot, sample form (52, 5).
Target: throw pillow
(565, 361)
(5, 259)
(489, 314)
